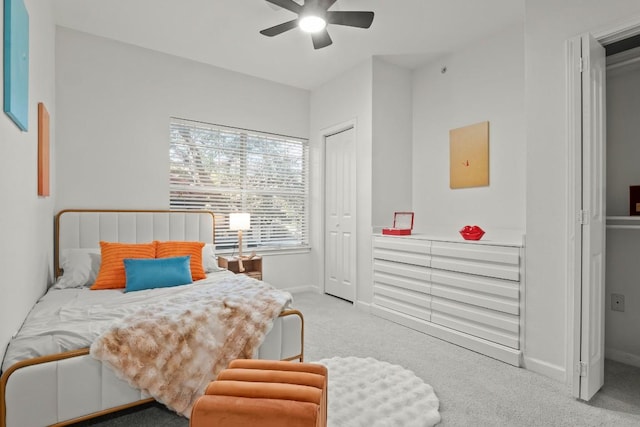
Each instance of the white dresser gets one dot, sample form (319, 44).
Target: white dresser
(467, 293)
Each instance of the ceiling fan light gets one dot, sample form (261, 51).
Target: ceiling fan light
(312, 24)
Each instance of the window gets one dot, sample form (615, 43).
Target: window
(225, 169)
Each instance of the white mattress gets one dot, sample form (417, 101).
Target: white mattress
(59, 321)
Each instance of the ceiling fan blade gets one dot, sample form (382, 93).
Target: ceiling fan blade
(326, 4)
(279, 29)
(287, 4)
(351, 19)
(321, 39)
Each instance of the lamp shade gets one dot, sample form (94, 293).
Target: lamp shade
(239, 221)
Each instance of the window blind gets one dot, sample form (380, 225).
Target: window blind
(226, 169)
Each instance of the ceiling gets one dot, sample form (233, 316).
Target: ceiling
(225, 33)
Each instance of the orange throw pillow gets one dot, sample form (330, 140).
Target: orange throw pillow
(111, 274)
(179, 248)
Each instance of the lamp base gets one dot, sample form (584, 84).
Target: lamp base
(240, 266)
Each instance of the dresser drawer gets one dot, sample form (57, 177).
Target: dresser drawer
(403, 301)
(412, 284)
(402, 250)
(485, 260)
(401, 270)
(486, 292)
(402, 244)
(498, 327)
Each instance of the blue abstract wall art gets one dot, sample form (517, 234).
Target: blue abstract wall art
(16, 62)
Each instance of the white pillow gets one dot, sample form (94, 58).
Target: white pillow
(80, 268)
(209, 260)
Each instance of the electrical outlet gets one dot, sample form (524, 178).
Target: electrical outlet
(617, 302)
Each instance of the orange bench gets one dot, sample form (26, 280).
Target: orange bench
(264, 393)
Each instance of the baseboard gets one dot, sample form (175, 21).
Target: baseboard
(622, 357)
(300, 289)
(555, 372)
(363, 306)
(485, 347)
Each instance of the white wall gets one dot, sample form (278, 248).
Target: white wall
(622, 342)
(391, 141)
(483, 82)
(623, 245)
(26, 220)
(346, 98)
(549, 23)
(114, 103)
(623, 143)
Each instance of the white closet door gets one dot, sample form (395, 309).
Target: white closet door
(593, 228)
(340, 202)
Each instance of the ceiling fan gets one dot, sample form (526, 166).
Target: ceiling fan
(313, 17)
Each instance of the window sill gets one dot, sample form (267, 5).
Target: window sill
(267, 252)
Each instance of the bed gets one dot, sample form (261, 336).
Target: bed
(70, 385)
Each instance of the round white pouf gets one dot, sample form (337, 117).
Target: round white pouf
(371, 393)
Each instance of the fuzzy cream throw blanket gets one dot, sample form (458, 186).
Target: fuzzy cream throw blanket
(172, 350)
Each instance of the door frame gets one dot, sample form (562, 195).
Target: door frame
(574, 191)
(324, 134)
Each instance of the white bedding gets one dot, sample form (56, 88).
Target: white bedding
(58, 322)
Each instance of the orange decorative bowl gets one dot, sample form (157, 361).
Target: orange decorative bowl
(471, 232)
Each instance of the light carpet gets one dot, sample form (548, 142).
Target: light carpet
(474, 390)
(368, 392)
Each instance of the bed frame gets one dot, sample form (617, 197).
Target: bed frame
(66, 388)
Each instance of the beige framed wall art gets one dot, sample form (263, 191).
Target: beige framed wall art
(469, 156)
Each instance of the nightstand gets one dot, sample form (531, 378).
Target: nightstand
(252, 267)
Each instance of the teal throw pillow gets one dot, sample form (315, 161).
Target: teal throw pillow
(144, 273)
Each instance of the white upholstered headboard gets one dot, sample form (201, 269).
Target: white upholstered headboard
(76, 229)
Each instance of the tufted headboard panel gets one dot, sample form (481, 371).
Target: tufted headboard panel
(77, 229)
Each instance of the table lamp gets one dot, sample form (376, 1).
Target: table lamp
(239, 221)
